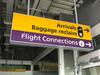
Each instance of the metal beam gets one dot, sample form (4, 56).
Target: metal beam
(2, 61)
(9, 10)
(58, 11)
(43, 54)
(87, 57)
(7, 22)
(95, 30)
(50, 5)
(63, 2)
(61, 6)
(70, 0)
(35, 5)
(7, 35)
(91, 65)
(44, 7)
(6, 44)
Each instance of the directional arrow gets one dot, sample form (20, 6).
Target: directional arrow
(86, 30)
(88, 44)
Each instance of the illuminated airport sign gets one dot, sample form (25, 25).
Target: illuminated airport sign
(12, 68)
(32, 30)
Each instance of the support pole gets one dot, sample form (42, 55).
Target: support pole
(61, 68)
(75, 52)
(80, 70)
(28, 7)
(32, 69)
(75, 9)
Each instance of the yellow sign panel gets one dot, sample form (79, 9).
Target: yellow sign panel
(41, 25)
(12, 70)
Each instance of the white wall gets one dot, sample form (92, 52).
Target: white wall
(16, 73)
(69, 63)
(91, 71)
(86, 72)
(98, 70)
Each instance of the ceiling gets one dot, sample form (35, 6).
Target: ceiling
(55, 6)
(50, 7)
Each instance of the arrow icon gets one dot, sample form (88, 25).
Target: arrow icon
(88, 44)
(86, 30)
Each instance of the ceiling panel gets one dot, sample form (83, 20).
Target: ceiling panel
(58, 11)
(39, 4)
(55, 6)
(64, 2)
(61, 6)
(70, 0)
(45, 6)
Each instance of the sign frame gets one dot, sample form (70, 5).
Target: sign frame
(46, 45)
